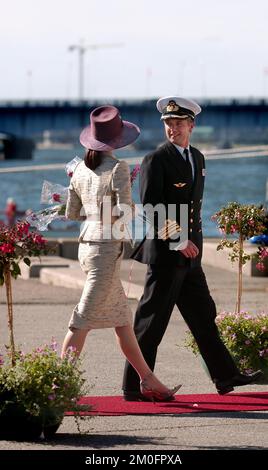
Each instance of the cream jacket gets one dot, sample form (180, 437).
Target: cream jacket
(87, 191)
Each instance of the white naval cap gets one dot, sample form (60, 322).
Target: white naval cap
(176, 107)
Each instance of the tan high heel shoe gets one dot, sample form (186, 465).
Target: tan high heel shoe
(155, 395)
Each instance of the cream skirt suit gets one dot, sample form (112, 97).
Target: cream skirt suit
(103, 303)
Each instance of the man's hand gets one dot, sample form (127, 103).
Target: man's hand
(191, 251)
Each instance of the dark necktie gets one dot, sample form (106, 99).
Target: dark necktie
(188, 165)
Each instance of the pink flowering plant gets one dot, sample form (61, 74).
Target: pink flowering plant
(246, 337)
(241, 222)
(41, 387)
(38, 384)
(262, 259)
(17, 244)
(244, 334)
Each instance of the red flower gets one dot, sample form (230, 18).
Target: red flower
(7, 248)
(23, 228)
(39, 239)
(56, 197)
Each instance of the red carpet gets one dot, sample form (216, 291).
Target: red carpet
(116, 406)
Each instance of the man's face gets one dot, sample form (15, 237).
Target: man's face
(178, 130)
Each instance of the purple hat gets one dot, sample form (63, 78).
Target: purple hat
(107, 131)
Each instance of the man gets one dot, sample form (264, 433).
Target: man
(174, 174)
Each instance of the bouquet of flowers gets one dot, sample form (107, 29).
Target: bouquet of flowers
(52, 193)
(56, 193)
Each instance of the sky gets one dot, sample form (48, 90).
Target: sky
(148, 48)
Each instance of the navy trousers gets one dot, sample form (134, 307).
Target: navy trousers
(186, 287)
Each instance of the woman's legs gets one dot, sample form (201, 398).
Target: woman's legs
(74, 338)
(129, 346)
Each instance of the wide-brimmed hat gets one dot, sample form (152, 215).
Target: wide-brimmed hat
(107, 130)
(176, 107)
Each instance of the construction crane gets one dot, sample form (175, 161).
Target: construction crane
(81, 48)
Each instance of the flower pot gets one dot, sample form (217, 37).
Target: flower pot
(36, 390)
(52, 420)
(50, 430)
(17, 424)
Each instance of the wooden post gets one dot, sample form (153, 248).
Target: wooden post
(240, 273)
(7, 279)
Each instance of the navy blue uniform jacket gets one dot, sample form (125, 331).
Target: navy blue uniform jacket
(161, 171)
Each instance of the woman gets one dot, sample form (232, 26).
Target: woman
(103, 303)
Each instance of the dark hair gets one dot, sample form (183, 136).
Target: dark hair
(92, 159)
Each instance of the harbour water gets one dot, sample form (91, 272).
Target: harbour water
(242, 179)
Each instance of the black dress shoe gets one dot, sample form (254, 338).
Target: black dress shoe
(134, 396)
(226, 386)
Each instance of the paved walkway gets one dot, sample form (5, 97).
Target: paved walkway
(43, 311)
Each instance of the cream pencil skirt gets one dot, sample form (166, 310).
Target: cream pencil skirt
(103, 303)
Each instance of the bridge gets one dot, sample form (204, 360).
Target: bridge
(222, 121)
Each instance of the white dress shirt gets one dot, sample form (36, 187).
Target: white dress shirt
(181, 150)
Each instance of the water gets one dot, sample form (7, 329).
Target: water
(242, 180)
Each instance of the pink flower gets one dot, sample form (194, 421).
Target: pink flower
(260, 266)
(54, 345)
(54, 386)
(134, 173)
(247, 342)
(233, 228)
(263, 253)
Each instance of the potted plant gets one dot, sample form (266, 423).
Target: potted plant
(243, 222)
(246, 337)
(244, 334)
(36, 390)
(37, 387)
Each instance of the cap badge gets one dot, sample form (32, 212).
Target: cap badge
(172, 106)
